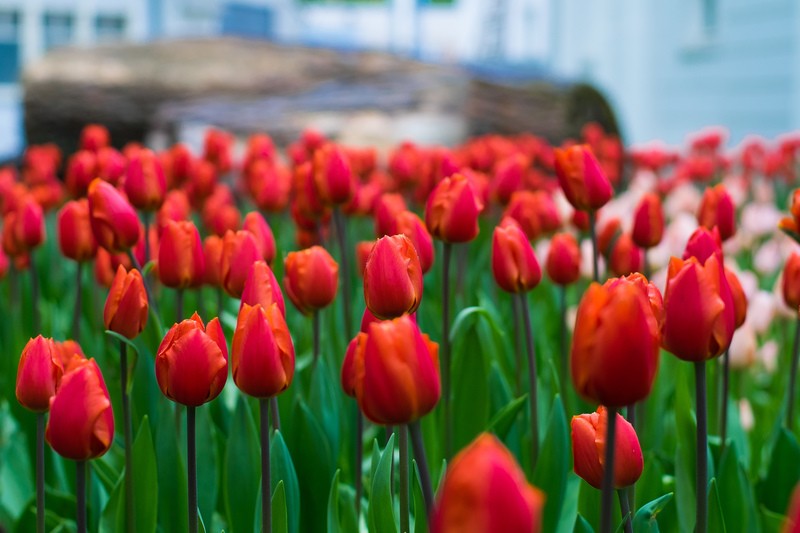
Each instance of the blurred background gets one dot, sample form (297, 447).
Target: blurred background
(379, 71)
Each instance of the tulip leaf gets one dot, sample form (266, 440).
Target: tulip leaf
(134, 356)
(646, 518)
(582, 525)
(325, 402)
(113, 517)
(16, 474)
(145, 480)
(716, 520)
(242, 477)
(333, 505)
(470, 388)
(553, 465)
(685, 452)
(735, 492)
(420, 514)
(771, 522)
(569, 506)
(171, 473)
(501, 422)
(381, 505)
(783, 472)
(282, 470)
(208, 476)
(124, 339)
(280, 518)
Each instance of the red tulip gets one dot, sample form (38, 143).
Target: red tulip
(81, 170)
(254, 223)
(589, 448)
(29, 229)
(113, 220)
(192, 362)
(262, 354)
(363, 249)
(75, 237)
(514, 264)
(269, 185)
(393, 278)
(625, 257)
(563, 259)
(311, 280)
(717, 209)
(109, 166)
(94, 137)
(791, 523)
(410, 225)
(648, 222)
(145, 183)
(71, 354)
(261, 288)
(739, 298)
(387, 208)
(581, 178)
(212, 257)
(126, 307)
(451, 213)
(702, 244)
(790, 283)
(508, 175)
(38, 374)
(181, 262)
(81, 423)
(349, 378)
(175, 207)
(535, 211)
(333, 177)
(217, 147)
(239, 252)
(485, 491)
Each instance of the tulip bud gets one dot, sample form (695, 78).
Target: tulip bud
(110, 166)
(625, 256)
(451, 213)
(81, 170)
(126, 306)
(262, 354)
(254, 223)
(113, 220)
(508, 175)
(514, 264)
(38, 374)
(739, 298)
(717, 209)
(699, 316)
(212, 258)
(145, 183)
(30, 231)
(217, 149)
(239, 252)
(269, 184)
(387, 207)
(181, 262)
(75, 237)
(333, 177)
(581, 178)
(392, 278)
(175, 207)
(94, 137)
(535, 211)
(400, 381)
(702, 244)
(589, 448)
(81, 422)
(485, 490)
(311, 280)
(410, 225)
(615, 346)
(648, 222)
(563, 259)
(261, 288)
(192, 362)
(790, 282)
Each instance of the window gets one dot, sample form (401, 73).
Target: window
(9, 46)
(57, 30)
(109, 28)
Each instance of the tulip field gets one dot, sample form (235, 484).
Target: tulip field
(502, 336)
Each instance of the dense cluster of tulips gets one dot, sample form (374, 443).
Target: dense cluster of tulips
(406, 388)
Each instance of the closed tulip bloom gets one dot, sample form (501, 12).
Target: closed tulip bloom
(311, 279)
(145, 183)
(126, 306)
(38, 374)
(717, 209)
(75, 237)
(589, 448)
(181, 262)
(584, 184)
(387, 207)
(451, 213)
(790, 283)
(702, 244)
(81, 170)
(114, 221)
(212, 257)
(363, 249)
(400, 382)
(262, 354)
(192, 362)
(30, 231)
(70, 353)
(648, 221)
(410, 225)
(254, 223)
(81, 422)
(739, 298)
(269, 184)
(262, 288)
(350, 374)
(94, 137)
(110, 166)
(333, 177)
(508, 176)
(485, 491)
(393, 278)
(535, 211)
(175, 207)
(563, 259)
(615, 346)
(514, 264)
(239, 252)
(699, 316)
(625, 257)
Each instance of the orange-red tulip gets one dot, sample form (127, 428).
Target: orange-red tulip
(239, 252)
(514, 264)
(409, 224)
(563, 259)
(615, 346)
(739, 298)
(29, 227)
(363, 249)
(145, 183)
(702, 244)
(790, 283)
(175, 207)
(589, 448)
(94, 137)
(625, 257)
(311, 279)
(584, 184)
(333, 177)
(192, 362)
(387, 208)
(126, 307)
(212, 254)
(348, 375)
(717, 209)
(113, 219)
(38, 374)
(110, 166)
(485, 491)
(81, 422)
(508, 175)
(75, 237)
(261, 287)
(262, 353)
(451, 213)
(393, 278)
(535, 211)
(254, 223)
(70, 353)
(81, 170)
(648, 221)
(181, 262)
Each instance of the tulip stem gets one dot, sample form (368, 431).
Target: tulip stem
(341, 236)
(276, 416)
(359, 458)
(266, 485)
(608, 471)
(726, 376)
(40, 472)
(126, 418)
(76, 318)
(220, 302)
(403, 440)
(315, 339)
(702, 447)
(792, 378)
(625, 510)
(191, 460)
(533, 396)
(422, 465)
(37, 319)
(564, 362)
(80, 487)
(517, 346)
(595, 251)
(445, 352)
(150, 299)
(146, 221)
(178, 306)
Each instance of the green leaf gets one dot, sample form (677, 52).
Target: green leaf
(685, 452)
(333, 506)
(134, 356)
(171, 473)
(113, 517)
(145, 480)
(381, 506)
(325, 402)
(418, 499)
(501, 422)
(582, 525)
(646, 518)
(282, 470)
(553, 465)
(242, 471)
(208, 475)
(771, 522)
(783, 473)
(716, 520)
(470, 388)
(122, 338)
(16, 475)
(280, 519)
(569, 506)
(735, 492)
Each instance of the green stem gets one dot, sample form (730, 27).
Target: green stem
(315, 339)
(40, 472)
(359, 458)
(146, 219)
(76, 318)
(702, 447)
(793, 378)
(608, 472)
(445, 352)
(595, 251)
(35, 311)
(178, 306)
(276, 415)
(517, 346)
(422, 465)
(80, 488)
(564, 361)
(341, 236)
(404, 517)
(625, 509)
(726, 376)
(130, 516)
(266, 485)
(191, 460)
(533, 396)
